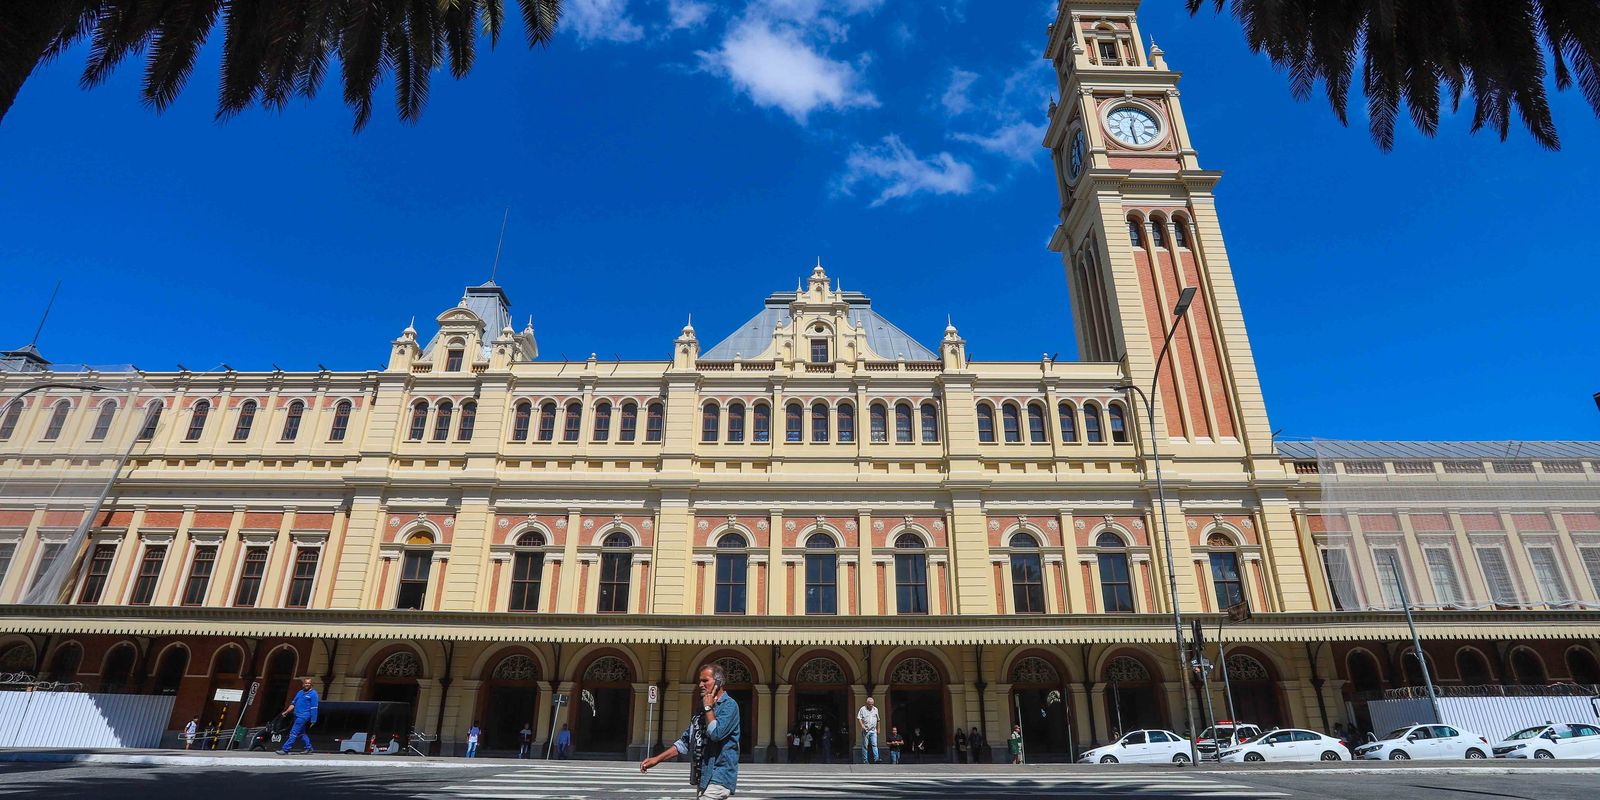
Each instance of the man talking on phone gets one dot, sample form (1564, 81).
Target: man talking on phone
(711, 742)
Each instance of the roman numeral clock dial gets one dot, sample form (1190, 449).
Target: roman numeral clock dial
(1133, 126)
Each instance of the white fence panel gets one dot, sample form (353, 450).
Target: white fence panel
(79, 719)
(1493, 717)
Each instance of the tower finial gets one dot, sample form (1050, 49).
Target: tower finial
(494, 270)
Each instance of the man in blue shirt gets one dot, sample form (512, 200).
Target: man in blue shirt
(711, 740)
(304, 706)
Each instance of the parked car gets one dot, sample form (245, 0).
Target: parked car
(1288, 744)
(1141, 747)
(1552, 740)
(270, 736)
(1425, 741)
(1226, 732)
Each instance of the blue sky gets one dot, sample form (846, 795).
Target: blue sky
(668, 157)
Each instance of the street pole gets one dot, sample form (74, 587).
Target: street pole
(1416, 644)
(1227, 685)
(1184, 299)
(555, 716)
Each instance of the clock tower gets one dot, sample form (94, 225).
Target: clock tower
(1138, 224)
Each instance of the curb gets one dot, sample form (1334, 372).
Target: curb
(221, 761)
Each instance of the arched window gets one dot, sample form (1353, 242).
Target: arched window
(1133, 234)
(1225, 576)
(341, 421)
(144, 588)
(117, 672)
(985, 422)
(247, 420)
(880, 423)
(58, 419)
(652, 421)
(64, 666)
(930, 423)
(452, 359)
(793, 417)
(710, 421)
(630, 422)
(1158, 236)
(822, 575)
(170, 670)
(527, 572)
(1180, 232)
(847, 423)
(152, 418)
(419, 421)
(616, 564)
(415, 566)
(1013, 422)
(251, 573)
(819, 422)
(762, 423)
(547, 422)
(521, 421)
(910, 575)
(731, 568)
(303, 579)
(197, 421)
(1116, 582)
(100, 561)
(602, 421)
(1091, 423)
(1119, 427)
(441, 420)
(1582, 667)
(102, 423)
(1472, 668)
(1527, 667)
(1027, 575)
(1036, 428)
(469, 420)
(1069, 421)
(902, 423)
(736, 421)
(8, 423)
(574, 424)
(297, 411)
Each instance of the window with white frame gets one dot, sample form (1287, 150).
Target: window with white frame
(304, 579)
(1389, 575)
(1591, 565)
(1547, 572)
(1502, 589)
(1442, 572)
(1341, 580)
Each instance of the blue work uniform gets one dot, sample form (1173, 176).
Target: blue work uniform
(305, 714)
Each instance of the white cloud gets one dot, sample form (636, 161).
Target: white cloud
(686, 14)
(955, 95)
(601, 21)
(778, 69)
(1019, 140)
(896, 172)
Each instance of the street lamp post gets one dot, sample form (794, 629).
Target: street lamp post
(1184, 299)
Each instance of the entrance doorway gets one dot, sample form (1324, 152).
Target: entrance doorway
(1130, 695)
(824, 712)
(510, 701)
(395, 680)
(603, 719)
(916, 707)
(1040, 701)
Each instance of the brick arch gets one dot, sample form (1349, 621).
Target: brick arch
(1151, 664)
(374, 656)
(586, 657)
(933, 656)
(758, 668)
(484, 665)
(1050, 656)
(845, 663)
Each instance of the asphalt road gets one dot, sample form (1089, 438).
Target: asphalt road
(246, 779)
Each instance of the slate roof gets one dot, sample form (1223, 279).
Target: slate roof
(490, 303)
(755, 335)
(1344, 449)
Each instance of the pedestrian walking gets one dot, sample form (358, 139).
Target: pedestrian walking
(304, 705)
(895, 743)
(976, 741)
(867, 718)
(1014, 744)
(919, 745)
(526, 735)
(960, 749)
(711, 742)
(472, 739)
(188, 732)
(564, 742)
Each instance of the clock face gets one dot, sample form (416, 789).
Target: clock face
(1075, 157)
(1133, 126)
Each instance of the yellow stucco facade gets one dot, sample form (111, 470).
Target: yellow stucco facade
(820, 501)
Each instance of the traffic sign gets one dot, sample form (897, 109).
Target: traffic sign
(654, 693)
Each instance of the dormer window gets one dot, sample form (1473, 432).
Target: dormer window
(819, 351)
(452, 360)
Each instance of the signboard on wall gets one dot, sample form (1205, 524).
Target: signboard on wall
(228, 695)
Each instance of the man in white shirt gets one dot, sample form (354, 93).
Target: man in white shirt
(867, 718)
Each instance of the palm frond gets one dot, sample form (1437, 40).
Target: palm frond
(179, 34)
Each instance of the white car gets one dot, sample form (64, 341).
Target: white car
(1228, 733)
(1287, 744)
(1141, 747)
(1426, 741)
(1552, 740)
